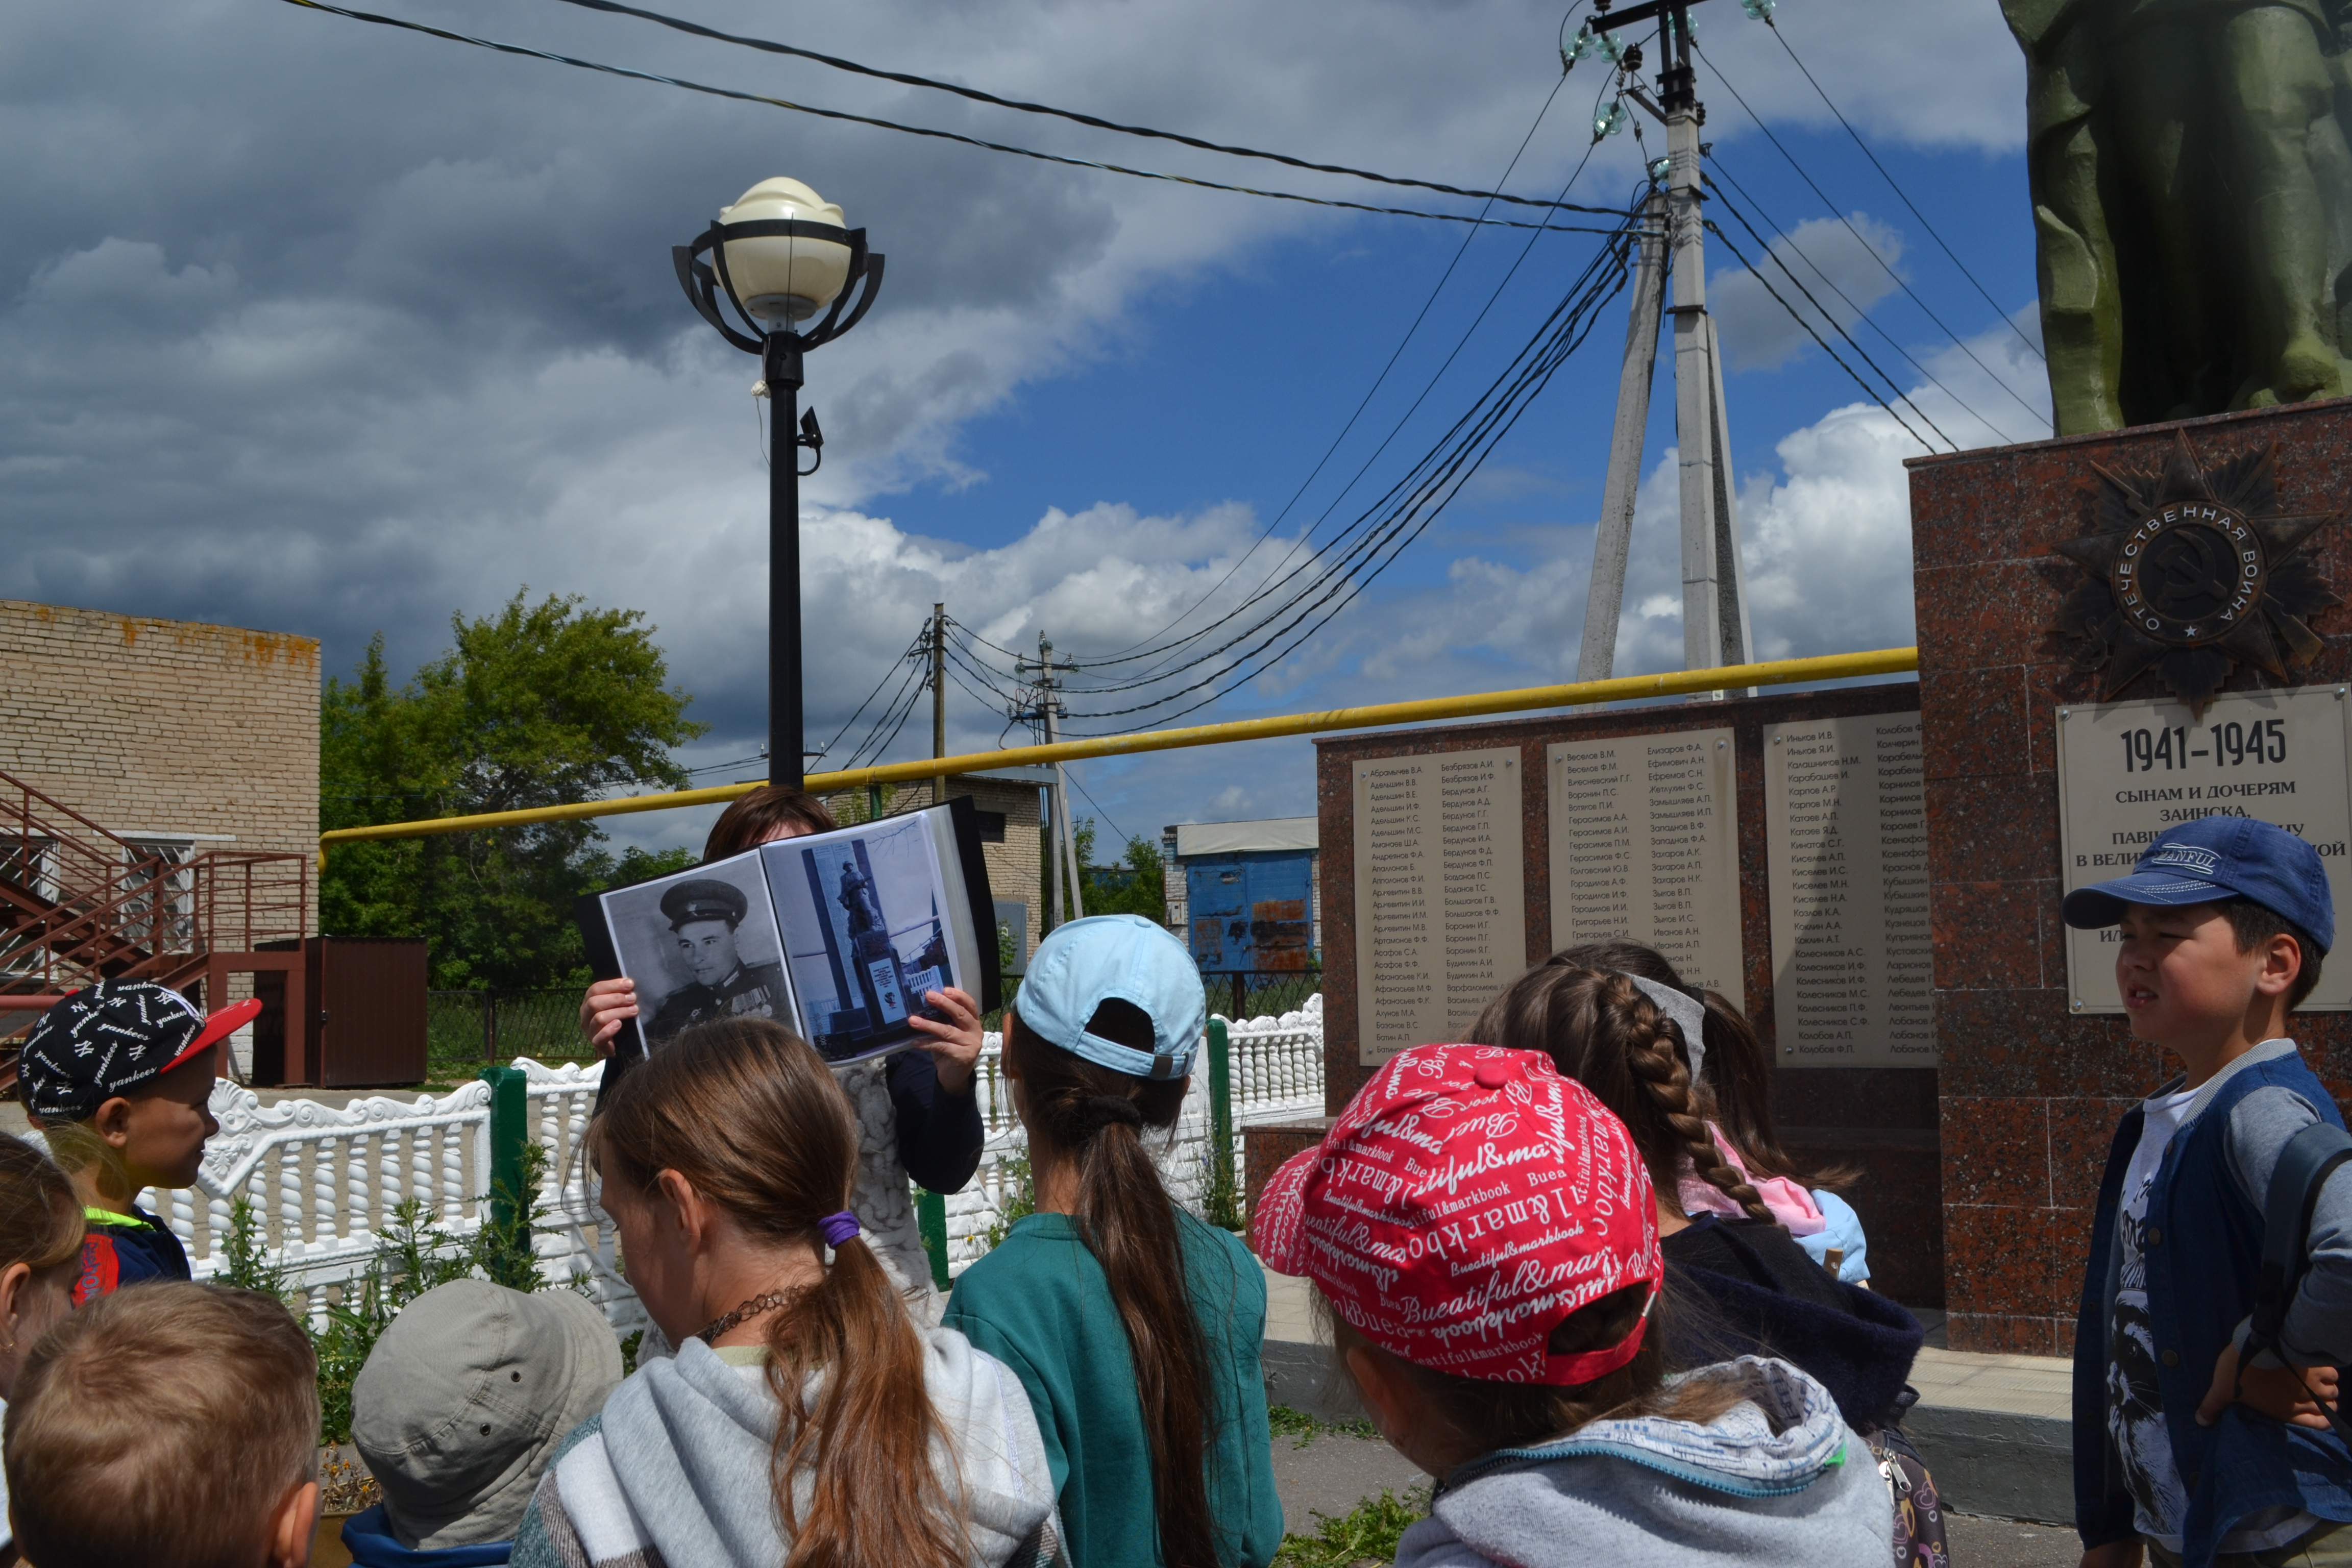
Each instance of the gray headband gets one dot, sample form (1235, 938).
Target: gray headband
(1685, 1011)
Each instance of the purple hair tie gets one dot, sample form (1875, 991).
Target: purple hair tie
(838, 1228)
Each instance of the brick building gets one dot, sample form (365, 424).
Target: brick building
(163, 733)
(1007, 800)
(160, 806)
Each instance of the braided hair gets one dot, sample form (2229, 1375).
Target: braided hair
(1601, 1030)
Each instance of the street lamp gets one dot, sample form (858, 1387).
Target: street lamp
(780, 255)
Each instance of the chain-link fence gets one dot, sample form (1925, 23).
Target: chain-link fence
(1259, 993)
(464, 1030)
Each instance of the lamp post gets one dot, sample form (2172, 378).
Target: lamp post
(779, 255)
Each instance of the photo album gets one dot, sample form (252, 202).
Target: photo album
(837, 935)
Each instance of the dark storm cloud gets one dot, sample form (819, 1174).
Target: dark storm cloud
(320, 327)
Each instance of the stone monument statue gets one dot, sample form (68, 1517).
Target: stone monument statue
(2193, 204)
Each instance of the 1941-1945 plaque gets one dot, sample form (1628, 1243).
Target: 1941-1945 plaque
(2127, 771)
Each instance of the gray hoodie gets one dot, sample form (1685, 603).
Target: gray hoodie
(676, 1469)
(1777, 1480)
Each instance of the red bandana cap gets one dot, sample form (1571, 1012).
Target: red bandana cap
(1468, 1200)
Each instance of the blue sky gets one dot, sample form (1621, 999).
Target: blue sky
(319, 327)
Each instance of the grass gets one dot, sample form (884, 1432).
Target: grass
(1286, 1422)
(1367, 1535)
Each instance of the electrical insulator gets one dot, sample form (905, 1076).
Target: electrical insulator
(1608, 122)
(1759, 10)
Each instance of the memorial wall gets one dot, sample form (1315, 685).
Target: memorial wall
(1456, 858)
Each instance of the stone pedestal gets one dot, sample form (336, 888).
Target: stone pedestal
(2030, 1093)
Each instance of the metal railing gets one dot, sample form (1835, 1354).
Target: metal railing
(1575, 694)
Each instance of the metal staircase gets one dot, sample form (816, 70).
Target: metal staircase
(79, 904)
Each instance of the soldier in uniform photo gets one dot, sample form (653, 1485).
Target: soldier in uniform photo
(703, 915)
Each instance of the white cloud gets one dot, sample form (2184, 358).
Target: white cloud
(1830, 272)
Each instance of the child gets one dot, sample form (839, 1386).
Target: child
(2177, 1448)
(520, 1370)
(1734, 1081)
(172, 1426)
(1484, 1234)
(40, 1244)
(805, 1417)
(1616, 1035)
(1135, 1326)
(118, 1077)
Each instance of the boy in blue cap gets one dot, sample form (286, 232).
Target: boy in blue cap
(2178, 1449)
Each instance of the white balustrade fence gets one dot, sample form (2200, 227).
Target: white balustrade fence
(324, 1182)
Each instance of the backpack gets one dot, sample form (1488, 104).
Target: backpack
(2303, 1167)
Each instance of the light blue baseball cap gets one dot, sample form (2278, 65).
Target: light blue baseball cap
(1088, 962)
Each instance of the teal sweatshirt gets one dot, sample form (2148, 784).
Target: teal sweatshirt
(1039, 1303)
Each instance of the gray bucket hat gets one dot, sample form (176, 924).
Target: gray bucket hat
(464, 1398)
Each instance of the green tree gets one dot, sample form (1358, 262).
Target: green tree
(538, 705)
(1136, 886)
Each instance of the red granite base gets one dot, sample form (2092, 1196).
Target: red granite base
(2032, 1094)
(1264, 1148)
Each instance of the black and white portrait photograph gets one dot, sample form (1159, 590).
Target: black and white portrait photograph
(702, 945)
(866, 920)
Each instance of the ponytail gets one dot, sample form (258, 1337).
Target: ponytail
(1736, 1092)
(1096, 1119)
(749, 1115)
(1600, 1029)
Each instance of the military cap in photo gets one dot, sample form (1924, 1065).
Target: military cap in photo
(704, 898)
(111, 1039)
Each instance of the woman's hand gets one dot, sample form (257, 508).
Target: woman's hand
(608, 1005)
(954, 1046)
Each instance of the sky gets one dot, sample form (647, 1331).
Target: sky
(323, 327)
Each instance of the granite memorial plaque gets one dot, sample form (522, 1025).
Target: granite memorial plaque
(2127, 771)
(1845, 833)
(1441, 904)
(1646, 846)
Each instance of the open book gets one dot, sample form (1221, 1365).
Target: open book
(837, 935)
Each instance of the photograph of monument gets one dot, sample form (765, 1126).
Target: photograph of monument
(867, 931)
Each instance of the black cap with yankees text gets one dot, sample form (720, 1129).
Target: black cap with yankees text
(112, 1039)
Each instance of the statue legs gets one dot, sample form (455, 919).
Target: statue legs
(2276, 91)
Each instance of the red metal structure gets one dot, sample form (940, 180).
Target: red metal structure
(79, 904)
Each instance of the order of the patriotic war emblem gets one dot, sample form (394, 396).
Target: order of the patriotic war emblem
(2192, 571)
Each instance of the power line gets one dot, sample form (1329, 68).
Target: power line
(1868, 391)
(1378, 382)
(1396, 522)
(526, 52)
(1899, 282)
(1117, 831)
(774, 47)
(1901, 195)
(1892, 385)
(1279, 578)
(1860, 314)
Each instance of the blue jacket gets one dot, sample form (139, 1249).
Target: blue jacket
(369, 1539)
(2203, 1245)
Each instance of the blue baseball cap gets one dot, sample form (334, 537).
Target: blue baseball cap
(1088, 962)
(2218, 858)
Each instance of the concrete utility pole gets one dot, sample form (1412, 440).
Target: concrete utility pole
(939, 697)
(1715, 582)
(1065, 853)
(1604, 601)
